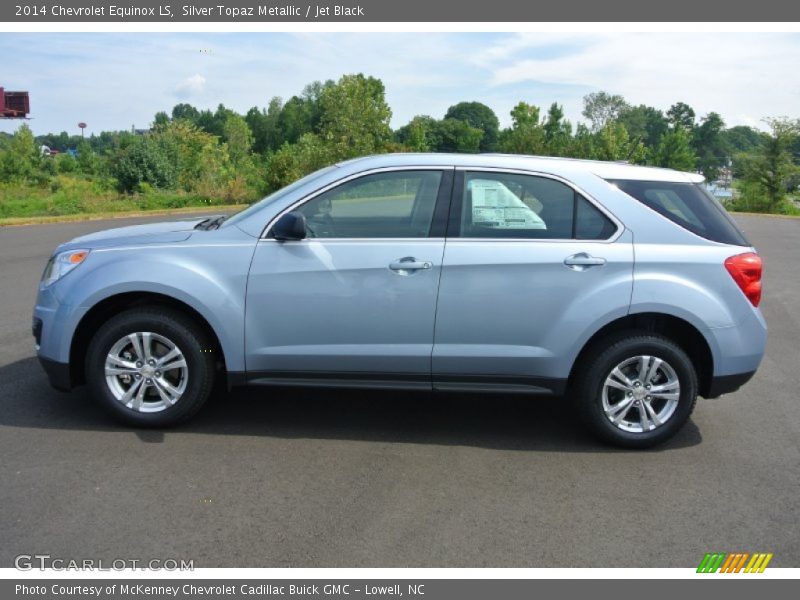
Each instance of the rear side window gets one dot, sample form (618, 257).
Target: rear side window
(688, 205)
(511, 205)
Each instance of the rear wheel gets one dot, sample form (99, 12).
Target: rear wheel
(150, 367)
(636, 390)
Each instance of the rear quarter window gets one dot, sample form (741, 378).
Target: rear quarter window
(688, 205)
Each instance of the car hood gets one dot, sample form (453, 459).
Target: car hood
(150, 233)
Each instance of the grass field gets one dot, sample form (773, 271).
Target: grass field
(65, 196)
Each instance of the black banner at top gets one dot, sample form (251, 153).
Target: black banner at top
(367, 11)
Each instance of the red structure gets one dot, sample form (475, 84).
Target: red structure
(14, 105)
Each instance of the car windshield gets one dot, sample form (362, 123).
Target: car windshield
(275, 196)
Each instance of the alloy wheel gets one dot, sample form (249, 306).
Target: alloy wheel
(641, 394)
(146, 372)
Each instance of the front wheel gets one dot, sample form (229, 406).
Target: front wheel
(636, 390)
(150, 368)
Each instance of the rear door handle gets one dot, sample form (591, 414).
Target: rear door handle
(582, 260)
(409, 264)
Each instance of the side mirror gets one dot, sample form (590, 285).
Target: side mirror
(291, 226)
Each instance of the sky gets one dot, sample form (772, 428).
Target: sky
(114, 81)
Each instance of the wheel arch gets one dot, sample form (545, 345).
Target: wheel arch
(100, 312)
(677, 329)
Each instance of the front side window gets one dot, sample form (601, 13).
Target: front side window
(397, 204)
(509, 205)
(276, 196)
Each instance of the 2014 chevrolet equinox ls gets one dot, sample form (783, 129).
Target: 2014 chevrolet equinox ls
(628, 289)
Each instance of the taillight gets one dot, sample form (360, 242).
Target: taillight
(746, 272)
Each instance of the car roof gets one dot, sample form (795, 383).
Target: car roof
(543, 164)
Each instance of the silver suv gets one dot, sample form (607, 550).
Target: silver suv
(629, 290)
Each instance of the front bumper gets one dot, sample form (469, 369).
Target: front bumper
(48, 329)
(58, 373)
(727, 384)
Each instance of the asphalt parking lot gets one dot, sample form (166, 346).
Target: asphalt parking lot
(276, 478)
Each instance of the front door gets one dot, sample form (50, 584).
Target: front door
(356, 300)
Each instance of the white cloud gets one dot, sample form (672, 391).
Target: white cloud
(191, 87)
(738, 75)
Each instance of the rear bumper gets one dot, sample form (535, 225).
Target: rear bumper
(727, 384)
(58, 373)
(737, 353)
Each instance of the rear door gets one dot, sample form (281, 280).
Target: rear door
(531, 265)
(356, 300)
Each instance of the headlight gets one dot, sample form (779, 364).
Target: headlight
(62, 263)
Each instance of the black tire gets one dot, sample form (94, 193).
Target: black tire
(180, 330)
(597, 365)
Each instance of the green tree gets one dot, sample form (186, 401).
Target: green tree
(301, 114)
(601, 108)
(239, 138)
(61, 142)
(526, 134)
(293, 161)
(612, 142)
(582, 143)
(214, 123)
(199, 160)
(296, 119)
(772, 168)
(557, 131)
(710, 147)
(109, 141)
(187, 112)
(681, 115)
(87, 159)
(66, 163)
(312, 95)
(419, 134)
(22, 159)
(644, 123)
(160, 119)
(355, 116)
(675, 151)
(144, 162)
(478, 116)
(742, 139)
(265, 125)
(455, 135)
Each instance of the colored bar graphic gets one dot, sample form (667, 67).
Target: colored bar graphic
(711, 562)
(727, 564)
(758, 563)
(734, 562)
(740, 565)
(703, 564)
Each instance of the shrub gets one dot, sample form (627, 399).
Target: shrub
(65, 163)
(145, 161)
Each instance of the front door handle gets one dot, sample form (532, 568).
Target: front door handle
(408, 265)
(582, 260)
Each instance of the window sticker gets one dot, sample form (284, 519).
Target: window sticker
(494, 205)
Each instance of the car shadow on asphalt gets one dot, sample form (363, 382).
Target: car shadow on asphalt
(479, 420)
